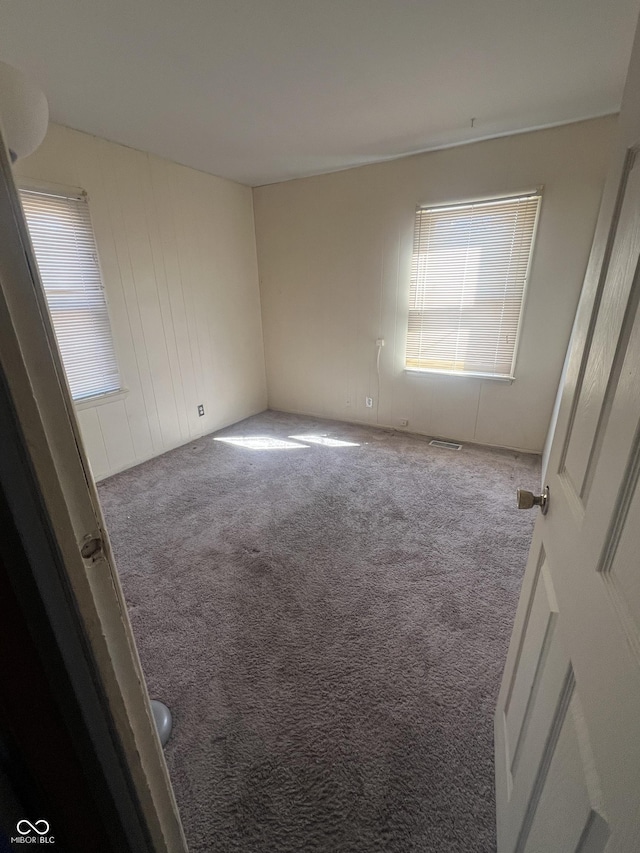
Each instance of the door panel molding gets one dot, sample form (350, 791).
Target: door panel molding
(593, 304)
(617, 366)
(560, 713)
(527, 678)
(624, 500)
(608, 343)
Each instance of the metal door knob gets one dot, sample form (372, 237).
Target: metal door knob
(527, 500)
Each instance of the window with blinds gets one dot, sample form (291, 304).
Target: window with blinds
(468, 278)
(65, 249)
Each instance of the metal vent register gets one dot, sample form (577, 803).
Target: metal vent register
(450, 445)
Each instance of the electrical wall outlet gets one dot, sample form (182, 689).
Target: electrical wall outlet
(369, 402)
(404, 422)
(200, 410)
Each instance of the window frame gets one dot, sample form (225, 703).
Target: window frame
(79, 194)
(497, 197)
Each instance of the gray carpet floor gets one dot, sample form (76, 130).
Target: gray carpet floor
(329, 626)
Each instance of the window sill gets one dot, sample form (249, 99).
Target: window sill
(100, 399)
(464, 374)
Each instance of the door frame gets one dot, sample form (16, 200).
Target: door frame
(47, 482)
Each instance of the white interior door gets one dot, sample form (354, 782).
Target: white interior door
(567, 726)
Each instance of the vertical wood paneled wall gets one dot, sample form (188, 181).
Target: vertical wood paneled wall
(177, 252)
(334, 253)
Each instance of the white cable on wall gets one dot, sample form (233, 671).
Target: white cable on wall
(379, 345)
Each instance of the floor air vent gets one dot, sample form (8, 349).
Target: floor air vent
(450, 445)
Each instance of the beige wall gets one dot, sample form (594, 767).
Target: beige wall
(334, 254)
(177, 251)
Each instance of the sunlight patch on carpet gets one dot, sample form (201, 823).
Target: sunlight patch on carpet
(325, 441)
(261, 442)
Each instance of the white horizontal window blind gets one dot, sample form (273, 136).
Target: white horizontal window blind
(64, 245)
(468, 277)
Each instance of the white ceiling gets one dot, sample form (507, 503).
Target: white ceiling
(266, 90)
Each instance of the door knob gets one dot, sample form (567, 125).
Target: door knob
(527, 499)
